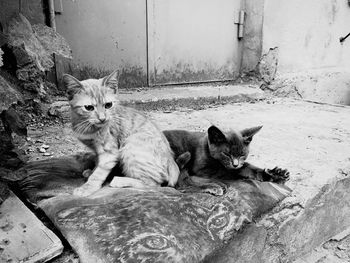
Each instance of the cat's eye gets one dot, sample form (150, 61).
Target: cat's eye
(89, 107)
(226, 154)
(108, 105)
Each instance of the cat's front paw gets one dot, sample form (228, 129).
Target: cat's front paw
(87, 173)
(278, 175)
(85, 190)
(216, 190)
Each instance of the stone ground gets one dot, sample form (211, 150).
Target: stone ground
(311, 140)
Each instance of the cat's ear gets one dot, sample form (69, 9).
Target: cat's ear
(248, 134)
(111, 81)
(72, 85)
(215, 136)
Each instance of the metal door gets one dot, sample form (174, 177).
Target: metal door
(192, 41)
(105, 35)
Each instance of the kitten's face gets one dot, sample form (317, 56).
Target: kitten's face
(91, 101)
(230, 150)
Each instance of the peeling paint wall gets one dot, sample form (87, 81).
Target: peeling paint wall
(105, 35)
(307, 33)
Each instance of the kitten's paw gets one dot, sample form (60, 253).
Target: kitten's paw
(278, 175)
(216, 190)
(87, 173)
(85, 190)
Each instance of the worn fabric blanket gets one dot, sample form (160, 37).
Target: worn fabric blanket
(154, 225)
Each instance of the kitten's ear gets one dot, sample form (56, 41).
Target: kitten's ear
(72, 85)
(248, 134)
(215, 136)
(111, 81)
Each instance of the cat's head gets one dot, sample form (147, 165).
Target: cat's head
(91, 101)
(230, 149)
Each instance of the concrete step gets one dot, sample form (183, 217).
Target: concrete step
(190, 96)
(174, 97)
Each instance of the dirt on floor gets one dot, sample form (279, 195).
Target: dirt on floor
(311, 140)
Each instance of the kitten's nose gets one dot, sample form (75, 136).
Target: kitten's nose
(235, 163)
(102, 119)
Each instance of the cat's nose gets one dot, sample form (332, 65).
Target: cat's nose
(235, 163)
(102, 119)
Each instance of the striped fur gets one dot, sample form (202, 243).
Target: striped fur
(118, 134)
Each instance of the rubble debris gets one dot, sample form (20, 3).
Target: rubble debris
(53, 42)
(13, 122)
(33, 47)
(1, 53)
(60, 109)
(8, 94)
(42, 150)
(267, 66)
(38, 42)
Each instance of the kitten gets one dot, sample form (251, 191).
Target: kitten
(118, 134)
(220, 155)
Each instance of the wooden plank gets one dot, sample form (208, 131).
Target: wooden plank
(23, 237)
(62, 66)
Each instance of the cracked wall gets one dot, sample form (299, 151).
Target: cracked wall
(307, 33)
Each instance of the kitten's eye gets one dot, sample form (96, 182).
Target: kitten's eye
(226, 154)
(89, 107)
(108, 105)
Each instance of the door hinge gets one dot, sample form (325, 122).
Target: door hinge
(58, 7)
(240, 24)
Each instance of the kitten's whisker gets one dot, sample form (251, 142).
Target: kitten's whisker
(81, 127)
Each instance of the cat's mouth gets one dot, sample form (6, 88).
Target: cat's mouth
(99, 124)
(233, 167)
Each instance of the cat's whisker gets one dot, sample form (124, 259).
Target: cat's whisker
(81, 128)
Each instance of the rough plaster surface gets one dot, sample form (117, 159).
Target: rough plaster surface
(326, 85)
(307, 33)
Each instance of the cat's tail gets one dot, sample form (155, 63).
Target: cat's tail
(47, 178)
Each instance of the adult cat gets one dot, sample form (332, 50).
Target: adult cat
(118, 134)
(220, 155)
